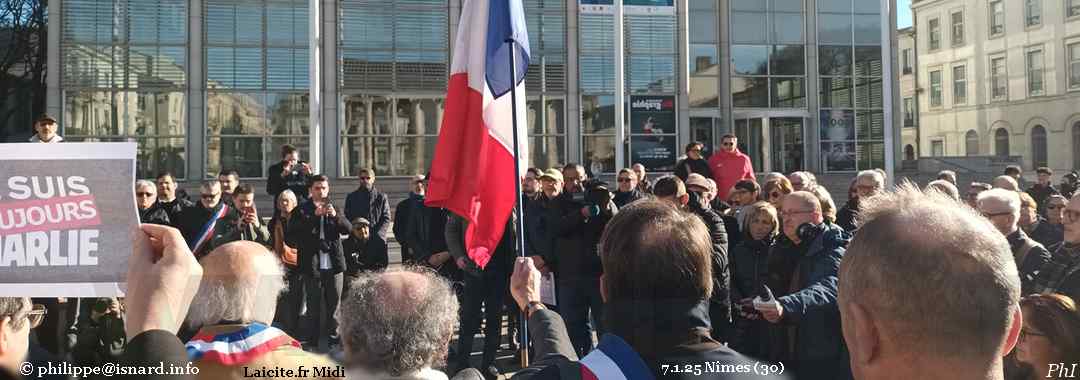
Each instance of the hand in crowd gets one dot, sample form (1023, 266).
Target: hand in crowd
(461, 263)
(540, 264)
(250, 217)
(162, 279)
(525, 282)
(306, 168)
(771, 311)
(746, 309)
(439, 258)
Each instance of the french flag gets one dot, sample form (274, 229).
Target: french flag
(473, 172)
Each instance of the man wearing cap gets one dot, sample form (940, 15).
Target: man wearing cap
(45, 130)
(720, 303)
(362, 254)
(538, 239)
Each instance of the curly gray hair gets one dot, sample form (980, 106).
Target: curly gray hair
(397, 333)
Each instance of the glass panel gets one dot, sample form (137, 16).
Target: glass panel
(870, 125)
(971, 143)
(838, 156)
(836, 92)
(834, 60)
(835, 28)
(788, 92)
(289, 113)
(704, 4)
(156, 155)
(787, 5)
(787, 28)
(703, 26)
(837, 125)
(703, 59)
(750, 92)
(243, 154)
(749, 132)
(748, 27)
(835, 5)
(418, 117)
(868, 61)
(598, 114)
(273, 151)
(748, 5)
(366, 115)
(871, 155)
(89, 113)
(366, 152)
(701, 130)
(657, 153)
(412, 155)
(555, 119)
(599, 153)
(868, 93)
(547, 151)
(236, 114)
(867, 6)
(867, 28)
(704, 92)
(749, 60)
(787, 144)
(787, 60)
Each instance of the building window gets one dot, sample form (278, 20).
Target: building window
(959, 78)
(937, 148)
(1074, 65)
(1001, 142)
(971, 143)
(1032, 12)
(958, 28)
(1035, 72)
(1073, 8)
(704, 57)
(1076, 144)
(935, 88)
(1038, 147)
(772, 74)
(997, 18)
(999, 80)
(907, 57)
(909, 112)
(934, 38)
(909, 153)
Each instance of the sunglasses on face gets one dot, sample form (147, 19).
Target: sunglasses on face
(991, 215)
(1054, 207)
(209, 196)
(728, 144)
(695, 150)
(624, 180)
(144, 194)
(365, 178)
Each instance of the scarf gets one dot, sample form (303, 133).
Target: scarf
(1065, 263)
(613, 358)
(238, 347)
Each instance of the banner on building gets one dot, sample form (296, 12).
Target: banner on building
(67, 218)
(653, 131)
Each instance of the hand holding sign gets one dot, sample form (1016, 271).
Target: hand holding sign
(163, 277)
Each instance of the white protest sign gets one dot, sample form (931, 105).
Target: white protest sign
(67, 218)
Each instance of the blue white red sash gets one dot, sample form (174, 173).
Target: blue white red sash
(208, 229)
(238, 347)
(614, 359)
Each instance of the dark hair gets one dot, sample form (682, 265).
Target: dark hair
(1012, 169)
(1044, 170)
(652, 251)
(317, 178)
(365, 170)
(230, 172)
(243, 189)
(728, 136)
(1055, 315)
(166, 174)
(287, 149)
(573, 166)
(668, 186)
(692, 144)
(536, 172)
(748, 185)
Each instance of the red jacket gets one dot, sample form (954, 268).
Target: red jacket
(729, 168)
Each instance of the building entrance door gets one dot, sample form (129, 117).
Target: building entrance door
(774, 144)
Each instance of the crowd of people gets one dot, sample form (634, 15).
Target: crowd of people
(653, 278)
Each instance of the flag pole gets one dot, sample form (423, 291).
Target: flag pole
(519, 244)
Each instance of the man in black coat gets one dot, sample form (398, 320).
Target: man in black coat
(150, 210)
(693, 163)
(315, 230)
(169, 198)
(199, 223)
(290, 173)
(401, 217)
(1043, 189)
(369, 203)
(627, 190)
(656, 287)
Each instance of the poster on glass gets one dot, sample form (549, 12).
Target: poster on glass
(657, 153)
(837, 125)
(838, 156)
(652, 115)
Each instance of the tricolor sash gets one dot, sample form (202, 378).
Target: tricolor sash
(208, 229)
(238, 347)
(614, 359)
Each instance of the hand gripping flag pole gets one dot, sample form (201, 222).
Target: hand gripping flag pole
(519, 244)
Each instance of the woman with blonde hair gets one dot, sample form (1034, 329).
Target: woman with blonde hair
(749, 272)
(775, 190)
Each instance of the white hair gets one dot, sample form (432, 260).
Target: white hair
(245, 299)
(772, 176)
(945, 187)
(873, 175)
(1006, 182)
(287, 193)
(144, 183)
(1009, 198)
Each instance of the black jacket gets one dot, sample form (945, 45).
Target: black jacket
(425, 232)
(193, 219)
(749, 268)
(845, 218)
(401, 225)
(539, 239)
(295, 181)
(150, 349)
(156, 214)
(574, 247)
(378, 212)
(1036, 257)
(1047, 234)
(718, 235)
(302, 233)
(175, 208)
(686, 166)
(502, 260)
(1040, 194)
(364, 256)
(684, 347)
(622, 199)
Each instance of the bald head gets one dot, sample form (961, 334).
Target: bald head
(241, 282)
(1006, 182)
(961, 310)
(398, 321)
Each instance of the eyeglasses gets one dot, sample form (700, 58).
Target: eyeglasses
(209, 196)
(1054, 207)
(991, 215)
(35, 315)
(728, 144)
(695, 150)
(793, 213)
(365, 178)
(144, 194)
(624, 180)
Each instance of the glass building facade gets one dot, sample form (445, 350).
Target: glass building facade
(206, 85)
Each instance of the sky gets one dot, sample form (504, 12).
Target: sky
(903, 13)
